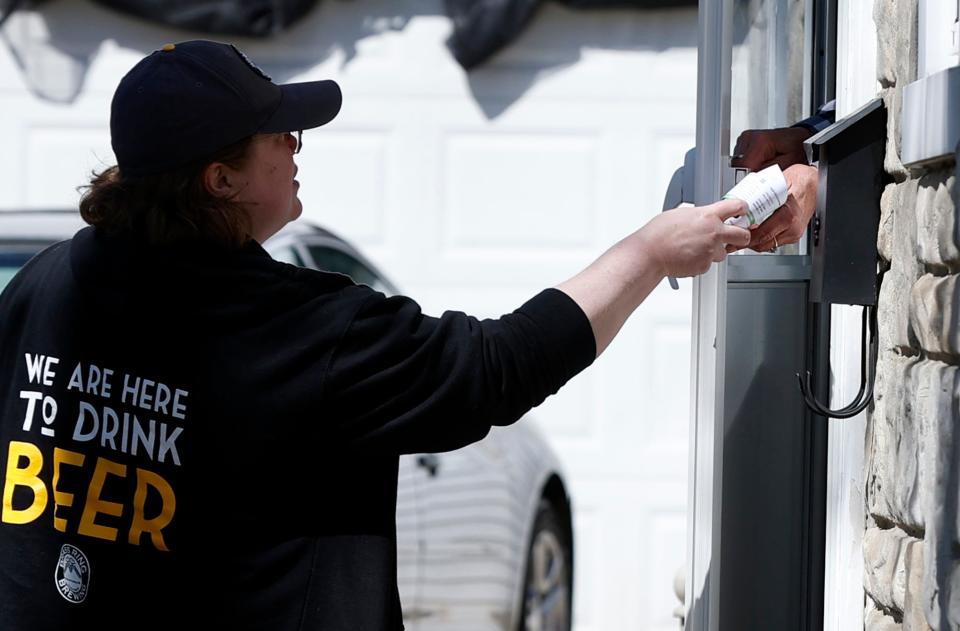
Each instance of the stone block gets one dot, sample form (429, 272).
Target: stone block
(893, 311)
(888, 202)
(893, 574)
(893, 307)
(937, 220)
(893, 100)
(896, 22)
(893, 475)
(934, 393)
(910, 474)
(905, 225)
(885, 554)
(935, 314)
(914, 618)
(941, 461)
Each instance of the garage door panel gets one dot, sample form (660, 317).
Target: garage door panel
(663, 388)
(665, 549)
(345, 181)
(629, 544)
(590, 577)
(500, 191)
(60, 158)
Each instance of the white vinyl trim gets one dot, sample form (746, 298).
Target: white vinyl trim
(937, 36)
(709, 316)
(843, 580)
(843, 566)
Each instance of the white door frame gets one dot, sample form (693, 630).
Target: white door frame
(709, 316)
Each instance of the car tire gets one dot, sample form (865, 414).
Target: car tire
(548, 580)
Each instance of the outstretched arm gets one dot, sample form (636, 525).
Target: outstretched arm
(680, 242)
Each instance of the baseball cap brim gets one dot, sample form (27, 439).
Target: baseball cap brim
(304, 106)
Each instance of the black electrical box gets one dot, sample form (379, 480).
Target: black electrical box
(844, 228)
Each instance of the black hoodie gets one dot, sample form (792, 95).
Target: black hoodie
(193, 437)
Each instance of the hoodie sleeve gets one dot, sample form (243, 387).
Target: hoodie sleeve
(409, 383)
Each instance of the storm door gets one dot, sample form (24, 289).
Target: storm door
(757, 456)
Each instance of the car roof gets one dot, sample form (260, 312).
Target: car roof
(63, 223)
(38, 226)
(33, 229)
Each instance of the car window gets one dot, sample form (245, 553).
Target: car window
(6, 273)
(10, 264)
(333, 260)
(287, 254)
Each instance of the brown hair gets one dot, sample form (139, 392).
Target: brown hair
(168, 207)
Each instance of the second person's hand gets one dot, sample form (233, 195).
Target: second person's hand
(759, 148)
(789, 222)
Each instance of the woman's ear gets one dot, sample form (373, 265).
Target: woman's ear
(220, 180)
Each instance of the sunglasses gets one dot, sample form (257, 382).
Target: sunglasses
(298, 134)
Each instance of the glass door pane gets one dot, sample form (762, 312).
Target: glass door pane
(767, 72)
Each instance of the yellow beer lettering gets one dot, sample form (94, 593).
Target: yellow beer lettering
(60, 498)
(27, 477)
(95, 505)
(25, 465)
(154, 525)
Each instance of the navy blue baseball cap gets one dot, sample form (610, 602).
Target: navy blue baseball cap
(186, 101)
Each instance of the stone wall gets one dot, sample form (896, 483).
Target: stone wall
(911, 550)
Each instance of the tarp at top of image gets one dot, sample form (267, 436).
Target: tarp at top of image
(482, 27)
(252, 18)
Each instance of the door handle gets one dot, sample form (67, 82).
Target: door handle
(680, 190)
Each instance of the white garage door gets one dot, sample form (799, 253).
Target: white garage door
(473, 192)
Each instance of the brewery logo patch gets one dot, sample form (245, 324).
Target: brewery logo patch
(73, 574)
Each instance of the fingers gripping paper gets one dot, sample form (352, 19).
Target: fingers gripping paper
(763, 191)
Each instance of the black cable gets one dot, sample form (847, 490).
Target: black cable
(867, 373)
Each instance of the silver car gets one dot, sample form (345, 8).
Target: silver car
(484, 533)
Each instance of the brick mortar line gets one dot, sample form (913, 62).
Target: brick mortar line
(885, 523)
(947, 359)
(908, 352)
(893, 612)
(904, 351)
(942, 270)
